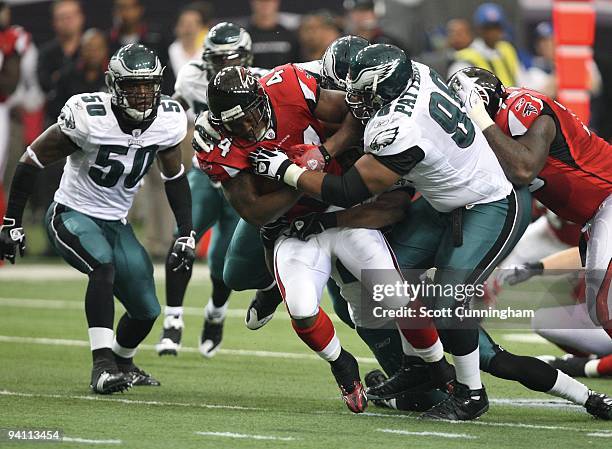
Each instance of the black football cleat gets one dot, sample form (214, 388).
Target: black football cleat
(463, 404)
(414, 376)
(170, 341)
(262, 308)
(107, 379)
(346, 372)
(599, 405)
(373, 379)
(138, 377)
(569, 364)
(210, 341)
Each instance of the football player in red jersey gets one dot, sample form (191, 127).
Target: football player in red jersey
(282, 110)
(539, 142)
(14, 41)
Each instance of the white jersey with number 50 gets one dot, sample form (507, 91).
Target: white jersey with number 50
(455, 166)
(102, 177)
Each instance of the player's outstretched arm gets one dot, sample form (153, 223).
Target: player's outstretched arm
(366, 178)
(179, 197)
(522, 159)
(257, 209)
(50, 146)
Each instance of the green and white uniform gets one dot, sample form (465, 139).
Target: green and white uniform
(426, 136)
(87, 221)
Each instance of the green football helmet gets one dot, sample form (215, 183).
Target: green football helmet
(490, 88)
(377, 75)
(336, 60)
(226, 45)
(134, 78)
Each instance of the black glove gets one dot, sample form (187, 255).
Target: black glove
(313, 223)
(11, 237)
(270, 232)
(520, 273)
(183, 253)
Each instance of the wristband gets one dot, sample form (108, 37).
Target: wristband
(326, 156)
(292, 175)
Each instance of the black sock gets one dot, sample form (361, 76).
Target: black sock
(530, 372)
(130, 332)
(176, 284)
(272, 296)
(459, 341)
(99, 304)
(220, 292)
(102, 355)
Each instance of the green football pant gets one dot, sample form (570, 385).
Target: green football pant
(211, 209)
(86, 242)
(245, 266)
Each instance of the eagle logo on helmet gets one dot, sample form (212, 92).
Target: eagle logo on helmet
(384, 138)
(370, 76)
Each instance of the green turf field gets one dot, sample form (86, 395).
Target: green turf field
(264, 388)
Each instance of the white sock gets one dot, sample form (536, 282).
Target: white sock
(432, 354)
(215, 314)
(100, 337)
(467, 368)
(567, 388)
(174, 311)
(332, 351)
(126, 353)
(590, 369)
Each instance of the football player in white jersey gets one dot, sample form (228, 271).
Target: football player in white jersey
(469, 215)
(110, 140)
(226, 45)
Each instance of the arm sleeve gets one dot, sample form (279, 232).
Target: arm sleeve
(179, 197)
(524, 110)
(346, 190)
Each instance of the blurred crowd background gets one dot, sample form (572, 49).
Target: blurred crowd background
(65, 46)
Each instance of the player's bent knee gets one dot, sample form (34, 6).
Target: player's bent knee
(105, 272)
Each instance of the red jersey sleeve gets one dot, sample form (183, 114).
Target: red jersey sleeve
(523, 110)
(223, 161)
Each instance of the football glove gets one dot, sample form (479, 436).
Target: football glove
(310, 157)
(183, 253)
(275, 165)
(270, 232)
(311, 224)
(520, 273)
(470, 97)
(11, 238)
(205, 136)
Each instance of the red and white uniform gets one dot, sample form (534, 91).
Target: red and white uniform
(575, 183)
(302, 268)
(13, 41)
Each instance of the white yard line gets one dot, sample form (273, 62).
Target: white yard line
(238, 352)
(519, 425)
(245, 436)
(63, 272)
(127, 401)
(88, 441)
(429, 434)
(600, 433)
(525, 338)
